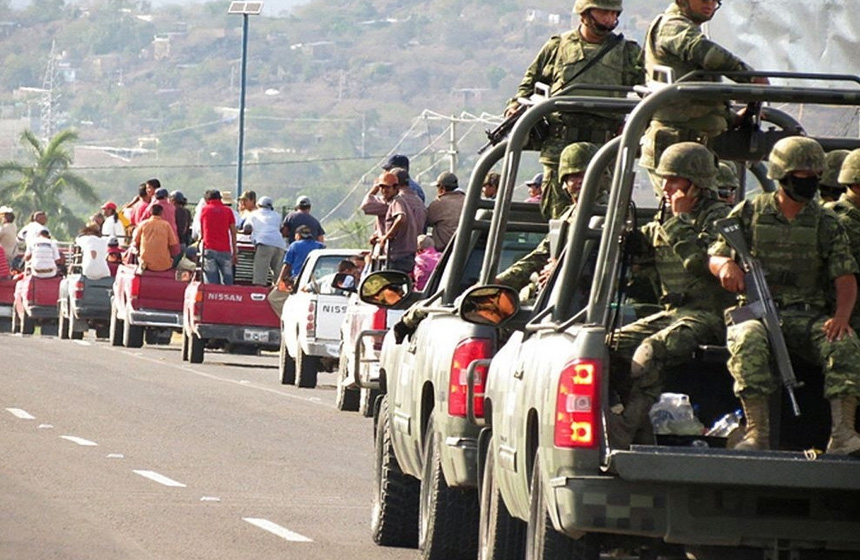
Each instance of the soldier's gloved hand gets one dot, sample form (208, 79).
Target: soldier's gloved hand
(401, 331)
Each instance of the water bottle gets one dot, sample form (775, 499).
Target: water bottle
(726, 425)
(673, 414)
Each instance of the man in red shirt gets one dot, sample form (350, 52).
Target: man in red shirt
(218, 235)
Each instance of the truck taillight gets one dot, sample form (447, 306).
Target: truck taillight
(310, 326)
(135, 286)
(577, 406)
(465, 353)
(78, 292)
(379, 323)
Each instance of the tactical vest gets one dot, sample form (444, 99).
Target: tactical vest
(788, 252)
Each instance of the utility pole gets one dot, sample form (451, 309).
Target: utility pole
(452, 150)
(50, 97)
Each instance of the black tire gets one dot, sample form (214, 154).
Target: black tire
(116, 327)
(102, 331)
(28, 325)
(5, 324)
(132, 336)
(286, 365)
(73, 334)
(307, 368)
(186, 343)
(448, 517)
(49, 328)
(394, 512)
(63, 321)
(543, 542)
(345, 399)
(150, 336)
(196, 346)
(366, 399)
(500, 535)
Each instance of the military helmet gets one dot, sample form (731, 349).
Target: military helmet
(727, 176)
(832, 164)
(575, 157)
(691, 161)
(582, 5)
(795, 153)
(850, 172)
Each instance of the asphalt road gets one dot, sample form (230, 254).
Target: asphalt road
(108, 453)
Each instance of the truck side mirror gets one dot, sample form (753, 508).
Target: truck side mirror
(344, 281)
(491, 305)
(385, 288)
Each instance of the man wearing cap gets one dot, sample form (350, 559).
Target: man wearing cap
(301, 216)
(112, 226)
(169, 214)
(399, 243)
(534, 188)
(443, 214)
(373, 204)
(401, 161)
(218, 237)
(8, 233)
(183, 218)
(297, 253)
(42, 256)
(264, 226)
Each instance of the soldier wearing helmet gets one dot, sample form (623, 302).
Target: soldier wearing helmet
(692, 300)
(727, 182)
(675, 40)
(847, 208)
(805, 255)
(567, 59)
(829, 189)
(574, 161)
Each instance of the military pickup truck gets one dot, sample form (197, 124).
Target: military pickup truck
(311, 319)
(553, 487)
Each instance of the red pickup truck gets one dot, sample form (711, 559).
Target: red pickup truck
(233, 317)
(144, 306)
(7, 299)
(36, 303)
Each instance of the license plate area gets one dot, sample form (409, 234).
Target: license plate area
(256, 335)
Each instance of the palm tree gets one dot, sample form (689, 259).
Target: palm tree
(41, 184)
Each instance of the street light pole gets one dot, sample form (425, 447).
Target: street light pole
(245, 9)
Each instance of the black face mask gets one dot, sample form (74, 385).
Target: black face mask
(800, 189)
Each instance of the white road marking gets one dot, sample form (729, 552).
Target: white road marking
(159, 478)
(115, 456)
(80, 441)
(276, 529)
(210, 499)
(22, 414)
(45, 426)
(84, 342)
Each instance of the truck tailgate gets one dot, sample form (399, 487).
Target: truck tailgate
(236, 305)
(330, 313)
(161, 291)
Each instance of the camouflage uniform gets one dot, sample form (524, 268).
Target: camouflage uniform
(676, 41)
(558, 60)
(801, 258)
(847, 208)
(829, 188)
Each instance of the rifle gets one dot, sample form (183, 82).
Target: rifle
(760, 305)
(499, 133)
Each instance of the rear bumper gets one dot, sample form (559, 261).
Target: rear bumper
(146, 318)
(41, 311)
(323, 348)
(91, 312)
(460, 460)
(262, 337)
(5, 310)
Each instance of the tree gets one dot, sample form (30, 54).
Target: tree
(40, 184)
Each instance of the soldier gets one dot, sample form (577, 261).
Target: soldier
(829, 188)
(572, 58)
(574, 161)
(727, 183)
(693, 301)
(675, 40)
(847, 208)
(804, 253)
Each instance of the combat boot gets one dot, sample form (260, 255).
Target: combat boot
(757, 413)
(633, 425)
(843, 439)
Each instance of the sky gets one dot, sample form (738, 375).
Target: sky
(270, 7)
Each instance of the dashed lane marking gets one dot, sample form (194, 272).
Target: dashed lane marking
(159, 478)
(22, 414)
(276, 529)
(80, 441)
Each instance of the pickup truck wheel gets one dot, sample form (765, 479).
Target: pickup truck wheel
(306, 369)
(185, 345)
(448, 517)
(116, 326)
(394, 517)
(150, 336)
(501, 536)
(63, 321)
(196, 346)
(346, 399)
(5, 324)
(28, 325)
(132, 335)
(286, 365)
(102, 331)
(543, 542)
(365, 402)
(73, 334)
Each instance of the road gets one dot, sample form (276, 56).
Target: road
(109, 453)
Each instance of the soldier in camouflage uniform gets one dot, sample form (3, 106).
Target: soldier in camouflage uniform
(693, 301)
(727, 182)
(571, 170)
(675, 40)
(829, 189)
(847, 208)
(559, 64)
(804, 252)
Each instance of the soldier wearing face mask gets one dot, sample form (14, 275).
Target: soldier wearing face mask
(805, 255)
(589, 54)
(675, 40)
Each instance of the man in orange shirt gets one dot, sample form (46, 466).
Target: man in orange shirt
(156, 242)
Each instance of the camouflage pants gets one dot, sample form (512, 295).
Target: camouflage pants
(749, 360)
(664, 340)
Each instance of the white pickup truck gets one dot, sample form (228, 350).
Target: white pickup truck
(311, 319)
